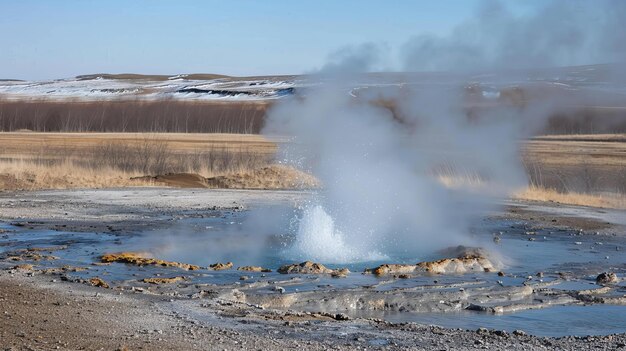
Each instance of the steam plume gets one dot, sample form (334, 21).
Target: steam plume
(381, 148)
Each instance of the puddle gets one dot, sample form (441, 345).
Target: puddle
(555, 321)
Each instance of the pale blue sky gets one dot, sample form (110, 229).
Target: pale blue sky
(63, 38)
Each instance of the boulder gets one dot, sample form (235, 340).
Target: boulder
(607, 278)
(140, 259)
(221, 266)
(467, 259)
(95, 281)
(309, 267)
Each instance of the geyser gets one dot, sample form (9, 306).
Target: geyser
(408, 160)
(382, 195)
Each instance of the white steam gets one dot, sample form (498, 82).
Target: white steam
(389, 151)
(381, 189)
(555, 33)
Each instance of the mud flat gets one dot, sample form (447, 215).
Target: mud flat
(539, 291)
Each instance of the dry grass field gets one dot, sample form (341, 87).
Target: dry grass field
(577, 163)
(583, 169)
(33, 143)
(605, 200)
(68, 160)
(574, 169)
(577, 169)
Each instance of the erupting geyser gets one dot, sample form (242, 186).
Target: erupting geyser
(406, 163)
(382, 196)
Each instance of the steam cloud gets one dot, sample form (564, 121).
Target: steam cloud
(382, 148)
(377, 171)
(559, 33)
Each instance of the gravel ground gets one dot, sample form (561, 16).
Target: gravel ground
(39, 315)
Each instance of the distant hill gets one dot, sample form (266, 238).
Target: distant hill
(190, 76)
(151, 77)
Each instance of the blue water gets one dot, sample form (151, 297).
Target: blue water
(233, 236)
(554, 321)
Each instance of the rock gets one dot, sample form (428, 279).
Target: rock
(64, 269)
(221, 266)
(342, 317)
(204, 293)
(49, 249)
(519, 332)
(306, 267)
(479, 308)
(254, 269)
(335, 316)
(482, 330)
(163, 280)
(458, 265)
(95, 281)
(24, 267)
(140, 259)
(502, 333)
(606, 278)
(500, 274)
(385, 269)
(467, 260)
(31, 254)
(340, 273)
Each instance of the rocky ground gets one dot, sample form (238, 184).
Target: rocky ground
(40, 315)
(39, 311)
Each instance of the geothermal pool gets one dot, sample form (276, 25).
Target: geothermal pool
(559, 264)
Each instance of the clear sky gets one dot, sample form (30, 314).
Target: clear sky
(63, 38)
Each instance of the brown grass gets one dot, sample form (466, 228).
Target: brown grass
(28, 175)
(577, 164)
(587, 170)
(573, 169)
(609, 200)
(96, 160)
(270, 177)
(57, 161)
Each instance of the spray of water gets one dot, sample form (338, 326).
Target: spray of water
(318, 239)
